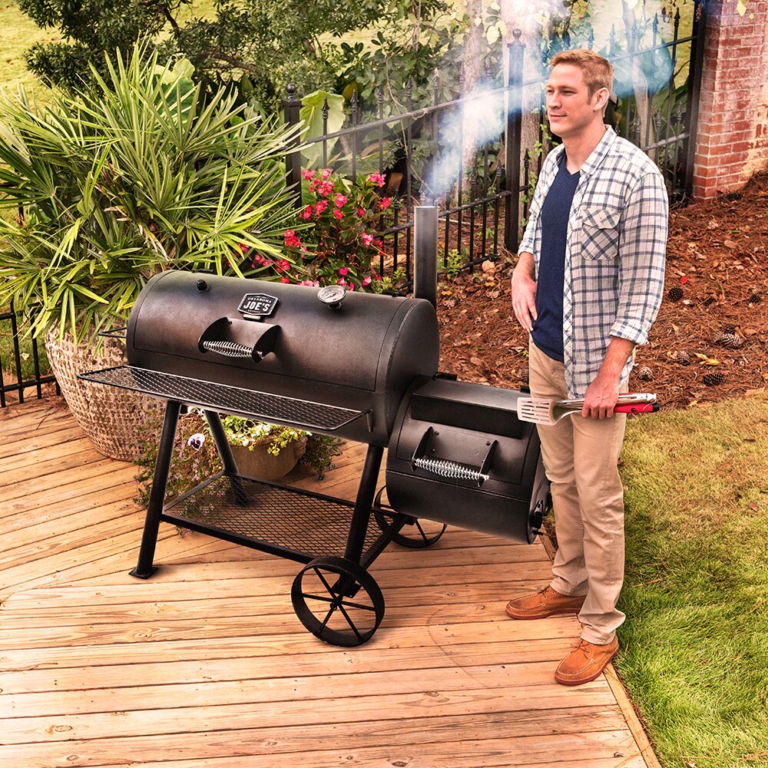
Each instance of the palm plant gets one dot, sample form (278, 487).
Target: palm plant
(113, 187)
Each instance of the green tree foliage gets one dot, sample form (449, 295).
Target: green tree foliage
(91, 28)
(260, 44)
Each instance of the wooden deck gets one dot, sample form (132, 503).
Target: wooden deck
(207, 666)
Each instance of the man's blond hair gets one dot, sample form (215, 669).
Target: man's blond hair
(597, 71)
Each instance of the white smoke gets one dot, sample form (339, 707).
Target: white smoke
(481, 120)
(484, 114)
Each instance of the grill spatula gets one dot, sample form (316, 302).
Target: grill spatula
(548, 411)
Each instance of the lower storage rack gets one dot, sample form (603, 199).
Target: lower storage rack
(278, 519)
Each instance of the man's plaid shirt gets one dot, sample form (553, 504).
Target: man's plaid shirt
(614, 256)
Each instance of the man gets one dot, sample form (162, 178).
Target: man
(587, 287)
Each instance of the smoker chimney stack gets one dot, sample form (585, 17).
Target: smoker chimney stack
(425, 253)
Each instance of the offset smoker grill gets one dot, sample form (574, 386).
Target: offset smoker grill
(360, 366)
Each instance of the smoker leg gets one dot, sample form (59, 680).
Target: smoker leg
(363, 504)
(225, 454)
(144, 568)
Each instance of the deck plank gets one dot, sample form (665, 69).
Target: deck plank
(206, 665)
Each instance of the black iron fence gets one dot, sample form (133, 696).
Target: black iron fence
(21, 365)
(484, 206)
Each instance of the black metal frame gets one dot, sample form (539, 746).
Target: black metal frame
(361, 513)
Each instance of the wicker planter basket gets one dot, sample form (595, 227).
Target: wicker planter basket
(111, 418)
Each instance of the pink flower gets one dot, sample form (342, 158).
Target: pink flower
(360, 212)
(320, 206)
(291, 240)
(283, 265)
(308, 175)
(367, 239)
(341, 281)
(338, 214)
(343, 271)
(367, 280)
(340, 200)
(307, 212)
(327, 172)
(384, 203)
(244, 247)
(326, 188)
(314, 185)
(285, 279)
(351, 286)
(377, 179)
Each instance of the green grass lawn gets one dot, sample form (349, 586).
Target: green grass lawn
(694, 652)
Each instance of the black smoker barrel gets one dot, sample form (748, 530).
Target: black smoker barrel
(359, 353)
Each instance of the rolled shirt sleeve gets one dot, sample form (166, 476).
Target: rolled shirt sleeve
(642, 250)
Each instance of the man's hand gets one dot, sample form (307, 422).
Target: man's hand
(524, 291)
(603, 393)
(601, 397)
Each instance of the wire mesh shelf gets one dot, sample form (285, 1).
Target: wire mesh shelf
(302, 414)
(274, 518)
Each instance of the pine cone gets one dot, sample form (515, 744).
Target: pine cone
(755, 298)
(713, 379)
(645, 373)
(683, 357)
(675, 294)
(730, 340)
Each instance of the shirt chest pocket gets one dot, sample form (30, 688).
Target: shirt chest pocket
(600, 232)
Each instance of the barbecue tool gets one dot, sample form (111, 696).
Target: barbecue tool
(548, 411)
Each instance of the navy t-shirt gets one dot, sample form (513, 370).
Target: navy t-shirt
(548, 328)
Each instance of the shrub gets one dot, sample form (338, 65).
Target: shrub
(117, 187)
(343, 218)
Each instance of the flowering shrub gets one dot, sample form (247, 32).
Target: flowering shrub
(344, 216)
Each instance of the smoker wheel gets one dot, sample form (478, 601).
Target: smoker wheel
(338, 601)
(419, 540)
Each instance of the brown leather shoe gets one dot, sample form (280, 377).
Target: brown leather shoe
(585, 662)
(546, 603)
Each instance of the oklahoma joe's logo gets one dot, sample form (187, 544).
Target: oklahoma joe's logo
(260, 304)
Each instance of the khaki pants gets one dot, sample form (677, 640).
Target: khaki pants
(580, 457)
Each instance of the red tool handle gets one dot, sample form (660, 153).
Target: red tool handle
(638, 408)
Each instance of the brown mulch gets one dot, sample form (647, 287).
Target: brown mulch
(717, 255)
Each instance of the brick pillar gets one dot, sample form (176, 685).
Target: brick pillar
(732, 135)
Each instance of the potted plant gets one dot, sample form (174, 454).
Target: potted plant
(113, 186)
(195, 458)
(265, 451)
